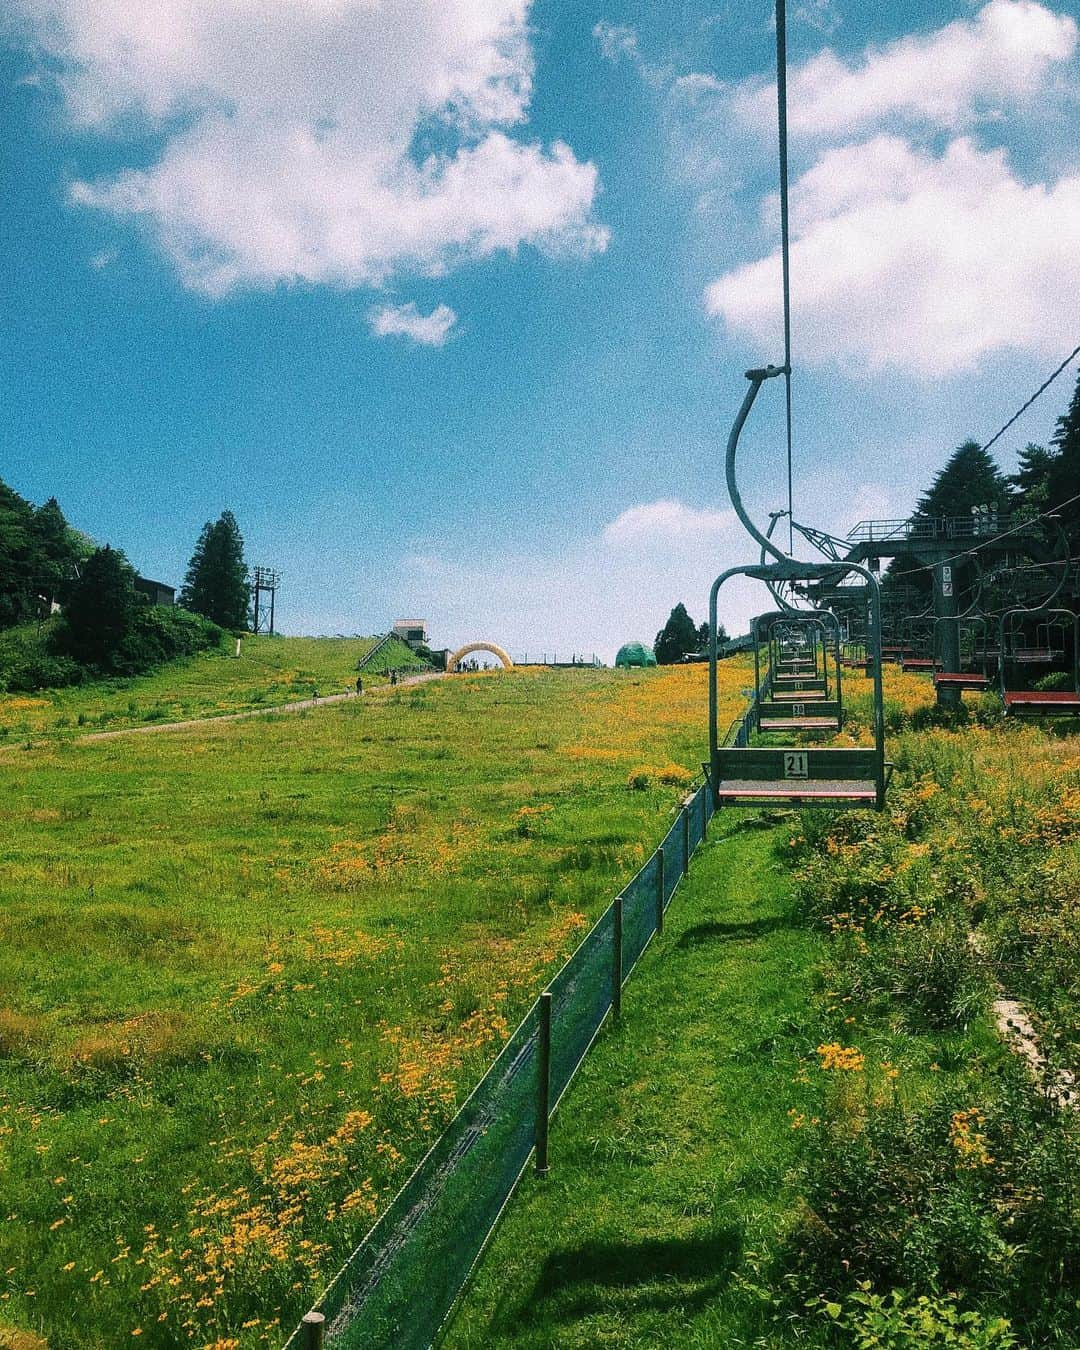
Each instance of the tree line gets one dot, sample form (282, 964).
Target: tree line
(71, 610)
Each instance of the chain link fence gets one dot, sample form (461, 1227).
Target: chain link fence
(399, 1287)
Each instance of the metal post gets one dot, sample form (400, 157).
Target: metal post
(314, 1325)
(704, 816)
(686, 839)
(273, 593)
(945, 609)
(660, 889)
(543, 1083)
(616, 961)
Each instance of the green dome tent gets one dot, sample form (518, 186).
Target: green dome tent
(634, 654)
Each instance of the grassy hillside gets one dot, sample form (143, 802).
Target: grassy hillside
(808, 1129)
(269, 671)
(247, 969)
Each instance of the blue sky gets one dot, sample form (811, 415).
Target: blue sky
(450, 302)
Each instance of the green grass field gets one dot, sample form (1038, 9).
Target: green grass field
(808, 1103)
(247, 970)
(269, 671)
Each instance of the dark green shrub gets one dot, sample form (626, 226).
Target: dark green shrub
(922, 972)
(954, 1194)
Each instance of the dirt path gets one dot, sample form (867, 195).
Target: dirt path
(298, 706)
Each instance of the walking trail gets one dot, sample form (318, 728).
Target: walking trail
(298, 706)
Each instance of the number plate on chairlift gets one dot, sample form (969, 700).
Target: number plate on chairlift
(795, 765)
(798, 710)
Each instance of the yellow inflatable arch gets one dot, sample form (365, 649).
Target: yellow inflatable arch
(452, 661)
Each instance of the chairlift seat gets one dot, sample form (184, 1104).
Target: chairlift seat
(810, 693)
(1041, 702)
(789, 708)
(829, 776)
(827, 723)
(918, 663)
(956, 679)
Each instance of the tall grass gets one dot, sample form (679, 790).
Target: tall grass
(248, 969)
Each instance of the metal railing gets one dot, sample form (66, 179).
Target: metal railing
(929, 527)
(400, 1286)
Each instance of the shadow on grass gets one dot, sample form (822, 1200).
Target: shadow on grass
(631, 1277)
(726, 932)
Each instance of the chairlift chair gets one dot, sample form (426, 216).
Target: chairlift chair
(1038, 702)
(802, 705)
(829, 776)
(974, 672)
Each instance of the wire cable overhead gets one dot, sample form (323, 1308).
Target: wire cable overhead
(1041, 389)
(785, 250)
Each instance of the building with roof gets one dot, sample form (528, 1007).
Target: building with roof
(413, 632)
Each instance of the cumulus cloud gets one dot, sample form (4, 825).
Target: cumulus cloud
(618, 585)
(666, 519)
(906, 259)
(919, 246)
(430, 330)
(949, 78)
(323, 141)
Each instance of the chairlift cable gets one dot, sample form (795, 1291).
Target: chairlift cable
(781, 107)
(1042, 387)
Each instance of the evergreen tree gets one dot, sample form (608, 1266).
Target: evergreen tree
(56, 553)
(1032, 481)
(101, 608)
(703, 636)
(970, 479)
(677, 637)
(16, 558)
(216, 583)
(1064, 470)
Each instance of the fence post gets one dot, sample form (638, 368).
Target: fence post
(704, 813)
(686, 839)
(314, 1325)
(616, 960)
(660, 889)
(543, 1084)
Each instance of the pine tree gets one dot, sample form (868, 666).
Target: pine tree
(677, 637)
(1064, 472)
(216, 583)
(1032, 481)
(16, 558)
(970, 479)
(55, 553)
(100, 611)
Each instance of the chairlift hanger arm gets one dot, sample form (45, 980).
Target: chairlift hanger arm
(757, 378)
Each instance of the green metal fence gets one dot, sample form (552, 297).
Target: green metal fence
(400, 1285)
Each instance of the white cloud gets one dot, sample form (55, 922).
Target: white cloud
(619, 585)
(665, 520)
(431, 330)
(905, 259)
(821, 15)
(616, 41)
(332, 141)
(915, 243)
(948, 79)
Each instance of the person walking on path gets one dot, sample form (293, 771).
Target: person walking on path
(359, 684)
